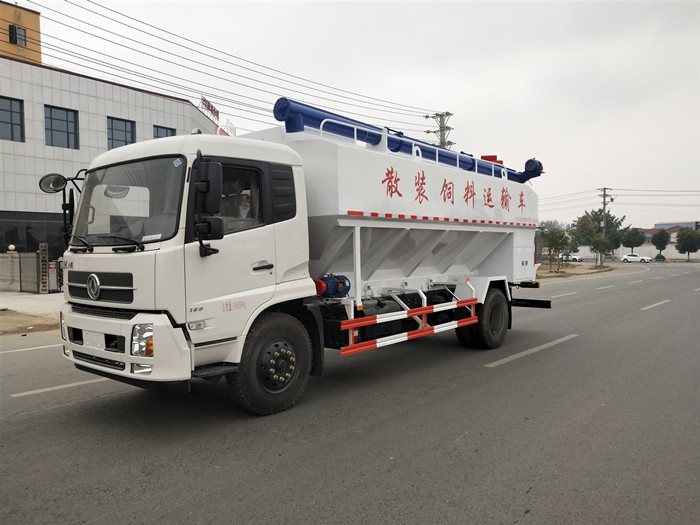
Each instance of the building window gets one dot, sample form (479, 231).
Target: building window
(160, 131)
(11, 119)
(120, 132)
(61, 127)
(18, 35)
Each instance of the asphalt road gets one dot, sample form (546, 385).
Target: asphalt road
(588, 414)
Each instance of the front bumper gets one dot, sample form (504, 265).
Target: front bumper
(102, 345)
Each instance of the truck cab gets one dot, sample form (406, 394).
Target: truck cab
(140, 251)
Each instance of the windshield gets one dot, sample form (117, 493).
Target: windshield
(138, 202)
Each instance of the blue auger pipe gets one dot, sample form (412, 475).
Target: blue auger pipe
(297, 115)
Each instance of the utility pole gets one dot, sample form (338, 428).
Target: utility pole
(605, 196)
(443, 130)
(603, 224)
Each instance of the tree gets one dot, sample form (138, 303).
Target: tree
(600, 246)
(550, 225)
(590, 223)
(555, 241)
(615, 238)
(660, 240)
(688, 241)
(586, 229)
(572, 245)
(632, 238)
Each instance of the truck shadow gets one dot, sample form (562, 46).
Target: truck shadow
(376, 373)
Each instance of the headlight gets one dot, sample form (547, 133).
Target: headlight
(142, 340)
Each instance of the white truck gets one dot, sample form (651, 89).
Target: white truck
(215, 257)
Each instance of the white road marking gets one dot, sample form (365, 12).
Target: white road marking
(59, 387)
(656, 304)
(605, 287)
(530, 351)
(564, 295)
(635, 282)
(655, 278)
(28, 349)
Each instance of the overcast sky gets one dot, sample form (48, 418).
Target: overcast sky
(605, 94)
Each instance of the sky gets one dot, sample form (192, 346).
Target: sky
(604, 94)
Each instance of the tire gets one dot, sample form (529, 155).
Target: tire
(490, 332)
(275, 365)
(464, 333)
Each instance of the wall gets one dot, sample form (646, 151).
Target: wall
(26, 19)
(648, 250)
(9, 272)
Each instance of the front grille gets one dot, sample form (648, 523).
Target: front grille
(100, 311)
(109, 363)
(113, 296)
(114, 287)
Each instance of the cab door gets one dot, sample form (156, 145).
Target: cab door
(224, 289)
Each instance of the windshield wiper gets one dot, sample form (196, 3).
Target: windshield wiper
(133, 243)
(87, 247)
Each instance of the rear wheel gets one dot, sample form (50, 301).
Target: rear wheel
(275, 365)
(464, 333)
(490, 332)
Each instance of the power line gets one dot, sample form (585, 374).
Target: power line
(418, 109)
(567, 195)
(664, 204)
(658, 191)
(187, 61)
(96, 65)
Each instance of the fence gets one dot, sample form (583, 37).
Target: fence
(29, 272)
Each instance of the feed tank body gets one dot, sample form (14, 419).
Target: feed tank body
(409, 222)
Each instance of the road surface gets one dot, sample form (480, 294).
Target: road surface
(588, 414)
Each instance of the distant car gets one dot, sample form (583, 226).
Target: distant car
(633, 257)
(574, 258)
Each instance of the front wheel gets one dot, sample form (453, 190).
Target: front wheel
(490, 332)
(275, 365)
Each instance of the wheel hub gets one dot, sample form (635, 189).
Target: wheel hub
(276, 366)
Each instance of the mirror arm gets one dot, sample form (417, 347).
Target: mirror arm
(205, 249)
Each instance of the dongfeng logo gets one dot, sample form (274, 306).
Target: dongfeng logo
(93, 287)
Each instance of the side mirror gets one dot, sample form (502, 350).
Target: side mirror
(210, 228)
(208, 187)
(52, 183)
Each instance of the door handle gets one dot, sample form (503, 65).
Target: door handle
(269, 266)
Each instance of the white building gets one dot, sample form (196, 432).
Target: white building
(55, 121)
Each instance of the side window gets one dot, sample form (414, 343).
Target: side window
(241, 199)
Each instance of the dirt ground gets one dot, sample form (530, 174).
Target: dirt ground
(12, 322)
(569, 270)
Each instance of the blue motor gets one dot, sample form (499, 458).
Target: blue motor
(336, 285)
